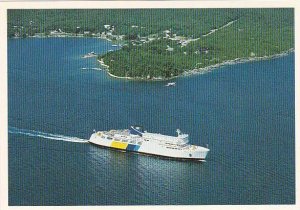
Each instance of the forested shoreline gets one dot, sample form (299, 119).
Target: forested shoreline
(163, 43)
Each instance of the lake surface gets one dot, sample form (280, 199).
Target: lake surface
(244, 112)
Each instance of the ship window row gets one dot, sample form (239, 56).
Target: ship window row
(121, 140)
(173, 148)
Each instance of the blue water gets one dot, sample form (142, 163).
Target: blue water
(244, 112)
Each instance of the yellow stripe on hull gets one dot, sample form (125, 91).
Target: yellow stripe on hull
(118, 145)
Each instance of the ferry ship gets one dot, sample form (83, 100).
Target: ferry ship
(135, 139)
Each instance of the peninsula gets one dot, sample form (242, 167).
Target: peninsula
(160, 44)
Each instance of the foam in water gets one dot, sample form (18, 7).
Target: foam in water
(45, 135)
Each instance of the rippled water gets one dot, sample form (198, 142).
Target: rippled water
(244, 112)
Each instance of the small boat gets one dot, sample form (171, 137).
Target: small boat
(170, 84)
(89, 55)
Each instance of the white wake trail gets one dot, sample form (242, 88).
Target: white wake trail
(51, 136)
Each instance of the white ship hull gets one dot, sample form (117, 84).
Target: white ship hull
(146, 145)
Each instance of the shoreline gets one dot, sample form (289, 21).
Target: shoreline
(203, 70)
(236, 61)
(191, 72)
(65, 36)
